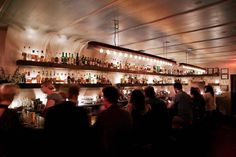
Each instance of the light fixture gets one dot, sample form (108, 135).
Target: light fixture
(136, 54)
(101, 50)
(198, 69)
(108, 52)
(192, 67)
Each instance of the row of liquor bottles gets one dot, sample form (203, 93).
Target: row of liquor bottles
(33, 76)
(83, 77)
(76, 59)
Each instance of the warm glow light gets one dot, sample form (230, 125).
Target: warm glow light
(61, 38)
(101, 50)
(126, 55)
(193, 68)
(114, 53)
(130, 56)
(139, 57)
(217, 81)
(108, 52)
(135, 57)
(120, 54)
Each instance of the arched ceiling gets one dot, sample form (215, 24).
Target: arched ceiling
(203, 29)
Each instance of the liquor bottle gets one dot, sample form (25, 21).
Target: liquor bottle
(77, 59)
(69, 58)
(43, 76)
(62, 57)
(68, 78)
(37, 54)
(72, 60)
(72, 78)
(56, 59)
(33, 56)
(66, 59)
(42, 56)
(58, 79)
(28, 52)
(38, 77)
(24, 53)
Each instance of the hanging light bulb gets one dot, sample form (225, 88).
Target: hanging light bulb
(108, 52)
(101, 50)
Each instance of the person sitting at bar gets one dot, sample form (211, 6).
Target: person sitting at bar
(67, 124)
(10, 126)
(183, 103)
(142, 124)
(198, 106)
(113, 126)
(160, 117)
(53, 98)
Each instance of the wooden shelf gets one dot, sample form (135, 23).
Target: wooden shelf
(214, 84)
(120, 103)
(202, 75)
(38, 85)
(87, 67)
(141, 85)
(84, 67)
(130, 85)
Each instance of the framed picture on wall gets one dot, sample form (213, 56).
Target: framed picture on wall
(224, 70)
(224, 88)
(224, 76)
(209, 70)
(216, 71)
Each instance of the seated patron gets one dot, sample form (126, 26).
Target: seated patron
(113, 126)
(67, 125)
(10, 126)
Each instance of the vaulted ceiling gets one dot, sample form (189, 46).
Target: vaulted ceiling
(193, 31)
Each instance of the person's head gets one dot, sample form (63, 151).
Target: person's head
(150, 92)
(110, 94)
(137, 99)
(47, 87)
(73, 93)
(194, 91)
(177, 86)
(8, 92)
(209, 89)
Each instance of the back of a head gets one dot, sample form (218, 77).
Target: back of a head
(73, 91)
(194, 91)
(111, 93)
(8, 91)
(178, 85)
(138, 99)
(48, 84)
(209, 89)
(150, 92)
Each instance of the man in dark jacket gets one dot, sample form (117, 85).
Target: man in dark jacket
(66, 122)
(160, 117)
(10, 126)
(113, 126)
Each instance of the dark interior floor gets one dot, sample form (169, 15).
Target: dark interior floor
(214, 139)
(223, 143)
